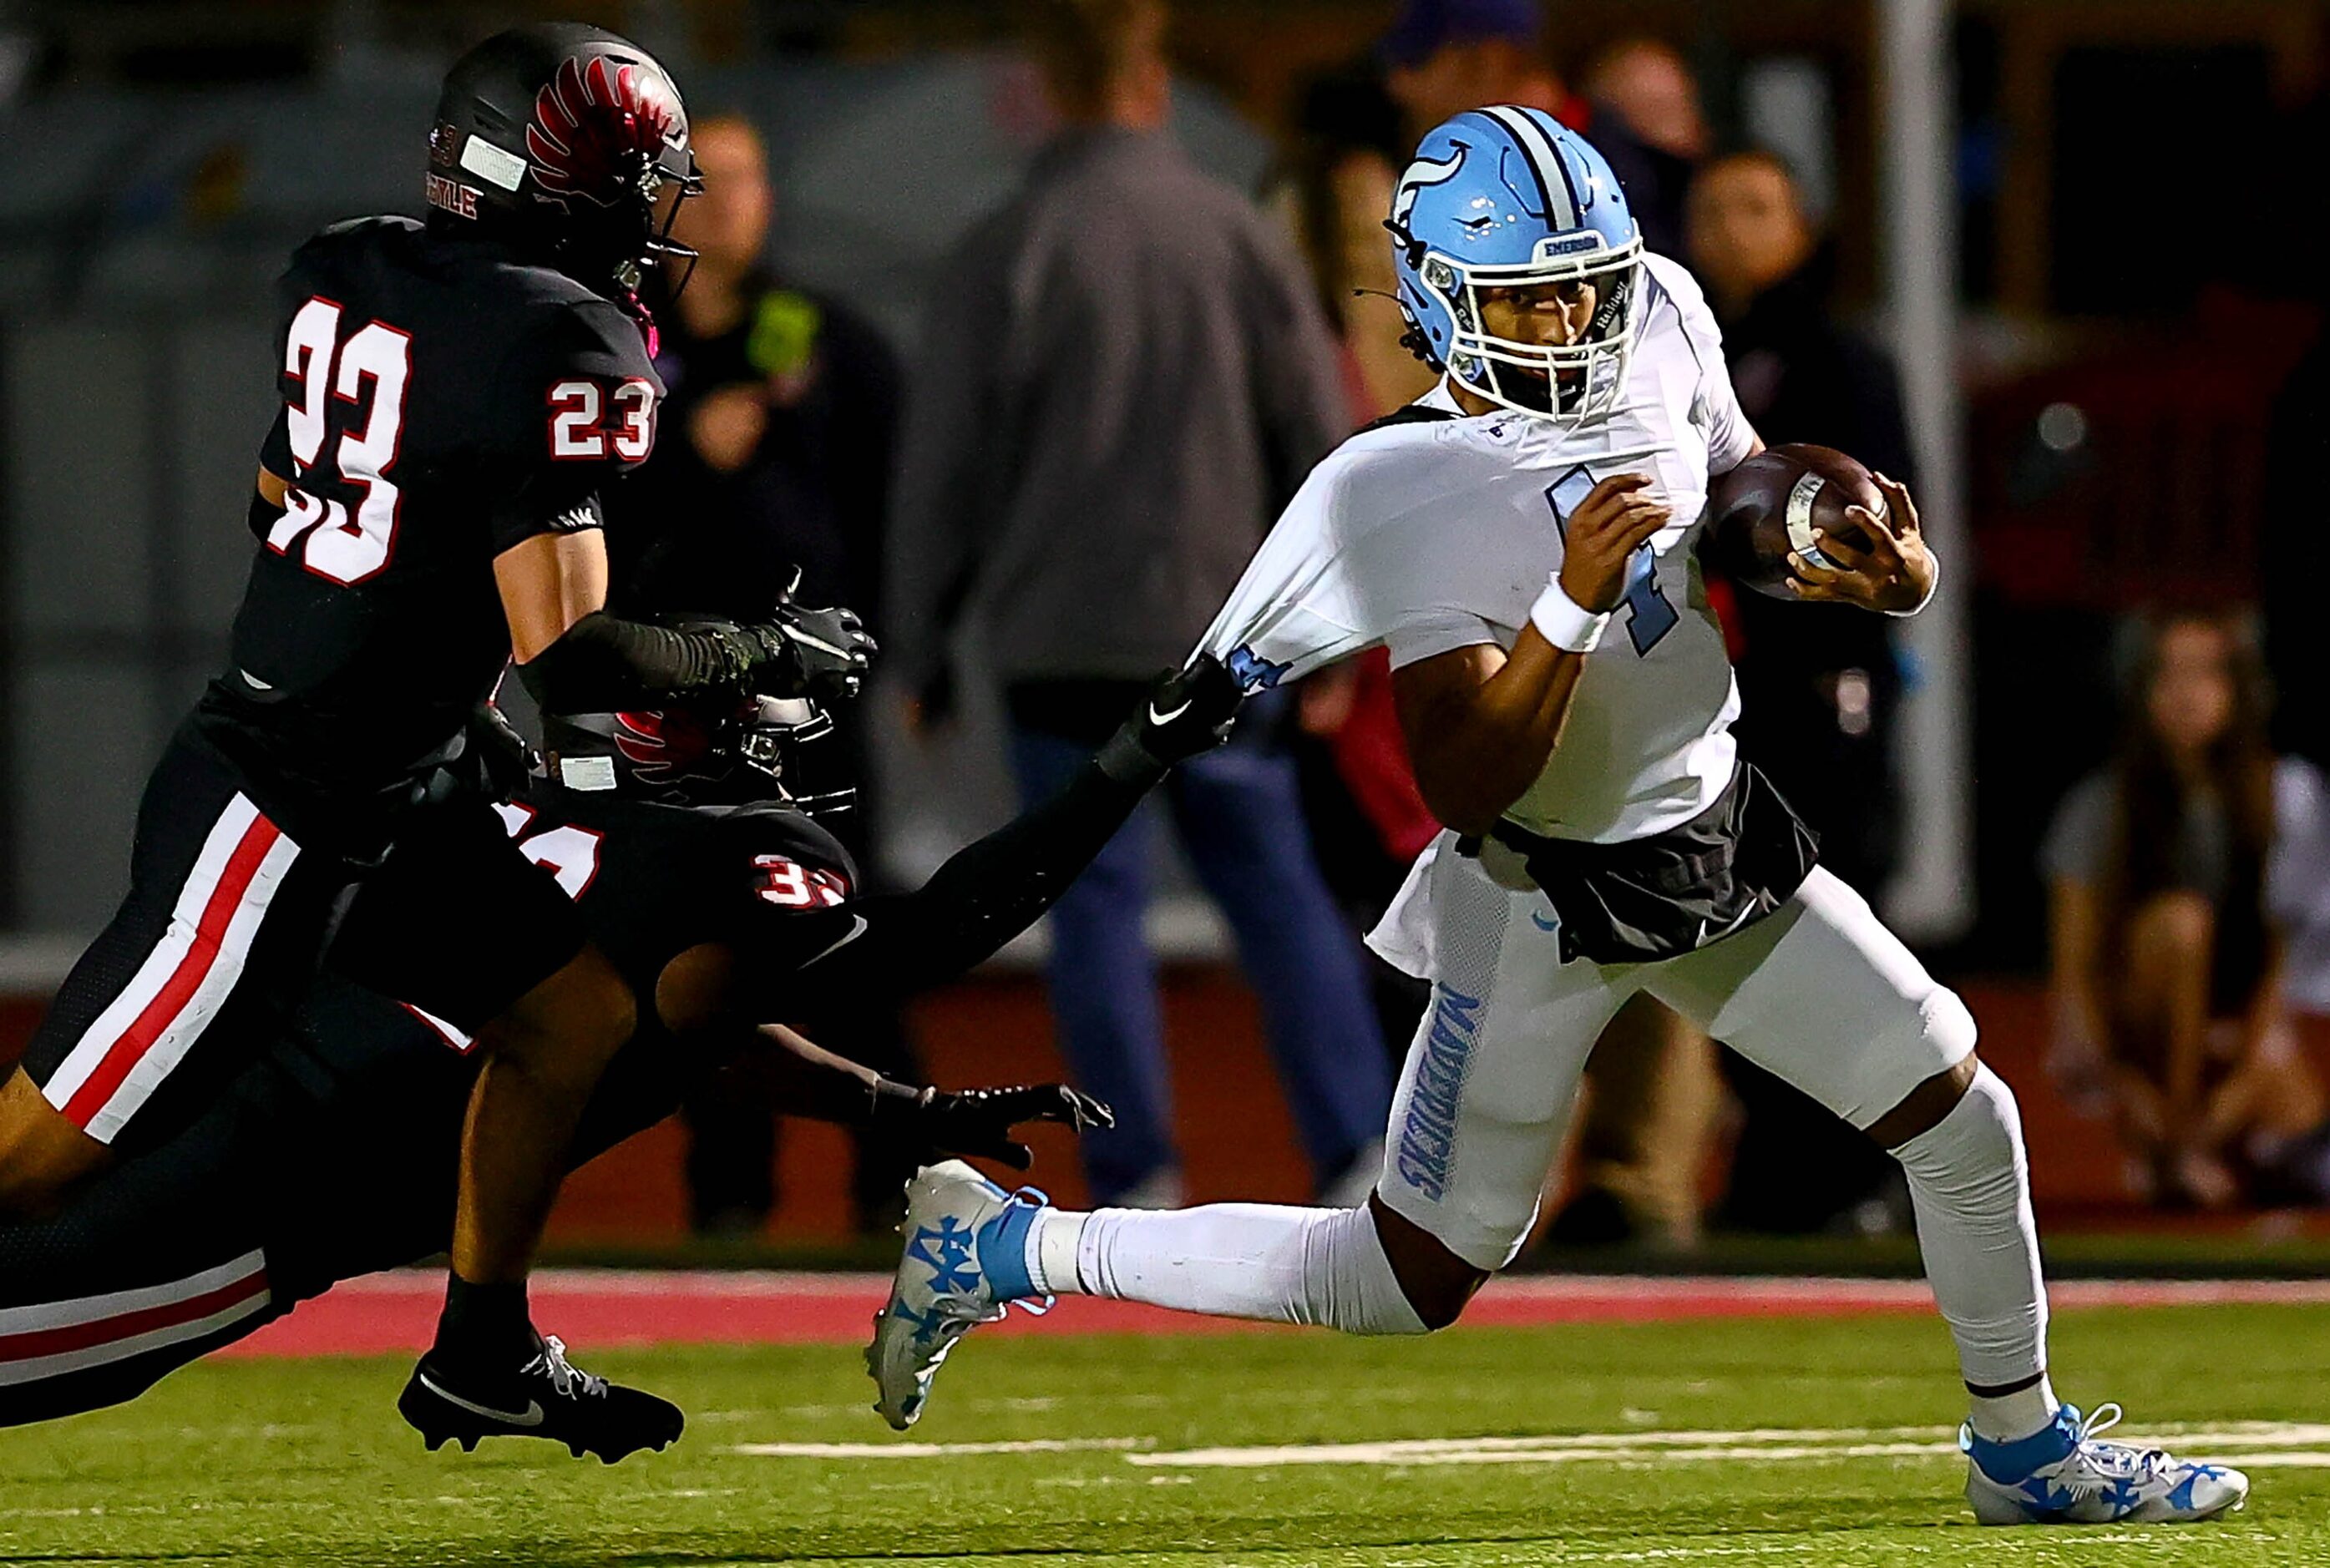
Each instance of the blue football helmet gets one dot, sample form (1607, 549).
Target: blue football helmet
(1511, 198)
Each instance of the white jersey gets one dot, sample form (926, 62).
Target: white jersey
(1433, 535)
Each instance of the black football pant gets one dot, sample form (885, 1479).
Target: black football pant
(163, 1259)
(236, 904)
(336, 1156)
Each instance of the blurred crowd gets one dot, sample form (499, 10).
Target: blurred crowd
(1129, 370)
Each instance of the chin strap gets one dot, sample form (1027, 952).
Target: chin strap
(632, 306)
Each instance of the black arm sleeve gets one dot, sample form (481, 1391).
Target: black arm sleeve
(984, 896)
(603, 663)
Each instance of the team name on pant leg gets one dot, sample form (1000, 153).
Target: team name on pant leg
(1427, 1139)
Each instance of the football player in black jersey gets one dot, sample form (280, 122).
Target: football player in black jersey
(334, 1154)
(455, 396)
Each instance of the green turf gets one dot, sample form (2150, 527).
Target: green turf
(307, 1463)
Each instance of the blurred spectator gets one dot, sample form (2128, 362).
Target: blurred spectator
(1650, 85)
(1819, 683)
(1123, 379)
(2171, 877)
(1443, 57)
(1349, 149)
(775, 453)
(777, 434)
(1645, 89)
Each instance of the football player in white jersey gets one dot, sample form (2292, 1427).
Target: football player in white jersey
(1522, 541)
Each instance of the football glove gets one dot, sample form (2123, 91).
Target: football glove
(1186, 715)
(979, 1122)
(500, 762)
(801, 652)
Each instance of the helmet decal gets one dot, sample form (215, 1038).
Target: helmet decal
(662, 745)
(1422, 174)
(589, 120)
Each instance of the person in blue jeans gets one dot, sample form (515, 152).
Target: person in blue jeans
(1238, 814)
(1124, 374)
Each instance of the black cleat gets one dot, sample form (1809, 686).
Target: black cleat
(545, 1398)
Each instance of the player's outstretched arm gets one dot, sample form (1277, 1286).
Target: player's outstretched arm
(1481, 723)
(576, 657)
(992, 891)
(808, 1079)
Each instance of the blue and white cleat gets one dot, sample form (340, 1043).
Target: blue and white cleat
(965, 1259)
(2069, 1475)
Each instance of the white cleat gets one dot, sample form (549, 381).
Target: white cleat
(2069, 1475)
(965, 1259)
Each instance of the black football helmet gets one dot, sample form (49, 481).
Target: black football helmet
(570, 143)
(759, 752)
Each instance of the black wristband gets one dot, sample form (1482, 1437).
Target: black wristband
(1125, 760)
(887, 1097)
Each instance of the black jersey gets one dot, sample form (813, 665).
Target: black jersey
(653, 881)
(364, 1082)
(442, 402)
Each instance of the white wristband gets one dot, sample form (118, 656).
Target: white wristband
(1562, 622)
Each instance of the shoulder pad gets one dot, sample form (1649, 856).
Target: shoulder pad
(1412, 414)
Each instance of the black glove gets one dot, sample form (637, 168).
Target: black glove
(1186, 716)
(499, 762)
(810, 653)
(979, 1122)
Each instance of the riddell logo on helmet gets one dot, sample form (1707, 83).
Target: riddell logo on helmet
(451, 197)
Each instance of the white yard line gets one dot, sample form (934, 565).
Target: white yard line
(2288, 1445)
(2263, 1444)
(937, 1450)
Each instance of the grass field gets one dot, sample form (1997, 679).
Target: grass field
(1716, 1442)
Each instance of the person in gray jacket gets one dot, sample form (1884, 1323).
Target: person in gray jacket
(1123, 378)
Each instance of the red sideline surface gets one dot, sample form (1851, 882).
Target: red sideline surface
(597, 1308)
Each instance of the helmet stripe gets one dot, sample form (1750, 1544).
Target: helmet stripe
(1545, 161)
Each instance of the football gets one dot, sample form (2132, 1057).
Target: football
(1781, 500)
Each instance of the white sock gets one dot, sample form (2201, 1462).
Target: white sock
(1970, 1183)
(2004, 1417)
(1052, 1243)
(1261, 1261)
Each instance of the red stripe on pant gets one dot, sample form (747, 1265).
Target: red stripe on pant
(126, 1053)
(38, 1342)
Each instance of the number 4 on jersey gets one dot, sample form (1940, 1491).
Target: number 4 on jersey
(1649, 614)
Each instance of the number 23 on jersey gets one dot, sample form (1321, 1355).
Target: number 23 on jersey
(366, 371)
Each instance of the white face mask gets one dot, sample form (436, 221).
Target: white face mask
(1570, 384)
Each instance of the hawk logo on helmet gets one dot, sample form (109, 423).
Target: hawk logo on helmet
(662, 746)
(592, 125)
